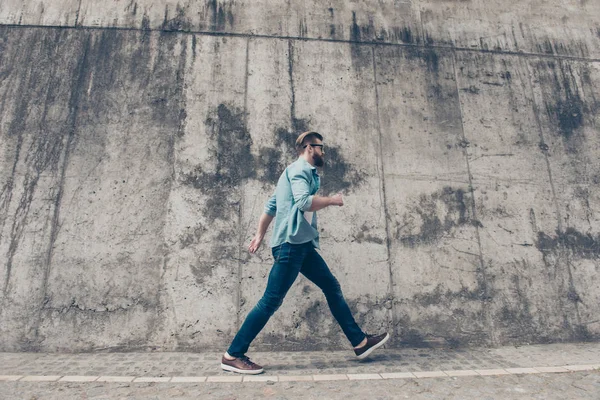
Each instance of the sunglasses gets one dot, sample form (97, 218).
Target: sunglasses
(314, 145)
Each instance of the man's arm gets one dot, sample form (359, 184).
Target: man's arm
(263, 224)
(320, 202)
(306, 202)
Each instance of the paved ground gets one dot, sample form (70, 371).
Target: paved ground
(557, 371)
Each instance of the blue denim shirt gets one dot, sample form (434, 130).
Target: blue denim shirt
(290, 205)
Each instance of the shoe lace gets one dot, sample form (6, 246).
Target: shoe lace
(246, 361)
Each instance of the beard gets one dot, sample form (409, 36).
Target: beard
(318, 160)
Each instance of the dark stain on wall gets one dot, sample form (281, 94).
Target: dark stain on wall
(370, 33)
(432, 225)
(202, 271)
(316, 316)
(442, 330)
(220, 15)
(572, 47)
(566, 107)
(339, 176)
(545, 47)
(192, 236)
(404, 34)
(360, 54)
(233, 161)
(233, 156)
(40, 82)
(440, 84)
(363, 235)
(569, 113)
(269, 161)
(440, 296)
(569, 105)
(581, 245)
(178, 22)
(217, 17)
(332, 26)
(515, 317)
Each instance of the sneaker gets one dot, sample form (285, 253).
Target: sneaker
(373, 342)
(241, 365)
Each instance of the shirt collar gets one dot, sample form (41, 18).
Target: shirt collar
(312, 167)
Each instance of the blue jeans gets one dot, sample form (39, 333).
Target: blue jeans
(291, 259)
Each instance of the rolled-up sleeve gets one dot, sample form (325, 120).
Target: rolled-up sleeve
(301, 190)
(271, 206)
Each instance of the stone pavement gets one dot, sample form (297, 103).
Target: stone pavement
(540, 370)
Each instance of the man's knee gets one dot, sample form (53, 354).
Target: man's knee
(332, 288)
(270, 304)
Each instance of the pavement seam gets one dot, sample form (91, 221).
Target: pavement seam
(309, 377)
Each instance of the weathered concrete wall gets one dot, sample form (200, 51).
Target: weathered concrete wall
(139, 141)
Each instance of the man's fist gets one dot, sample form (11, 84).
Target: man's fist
(337, 200)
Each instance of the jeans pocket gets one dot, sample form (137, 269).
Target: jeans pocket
(277, 251)
(285, 253)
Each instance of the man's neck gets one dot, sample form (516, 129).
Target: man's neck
(308, 159)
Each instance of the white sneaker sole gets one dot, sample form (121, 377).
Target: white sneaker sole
(242, 371)
(378, 345)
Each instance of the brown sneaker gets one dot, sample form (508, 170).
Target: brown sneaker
(373, 342)
(241, 365)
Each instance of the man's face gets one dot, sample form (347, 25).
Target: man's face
(318, 154)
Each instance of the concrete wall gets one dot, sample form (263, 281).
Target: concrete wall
(139, 141)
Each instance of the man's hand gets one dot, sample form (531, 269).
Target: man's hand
(255, 244)
(337, 200)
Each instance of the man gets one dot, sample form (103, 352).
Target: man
(295, 238)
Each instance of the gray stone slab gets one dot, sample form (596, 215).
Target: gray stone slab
(512, 189)
(363, 377)
(203, 211)
(224, 379)
(9, 378)
(466, 372)
(397, 375)
(188, 379)
(260, 378)
(40, 378)
(295, 378)
(78, 378)
(335, 377)
(115, 379)
(153, 379)
(522, 371)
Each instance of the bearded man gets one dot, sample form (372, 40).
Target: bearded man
(294, 245)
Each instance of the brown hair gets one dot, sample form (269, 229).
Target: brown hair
(307, 137)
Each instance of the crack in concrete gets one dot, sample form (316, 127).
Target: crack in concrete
(383, 200)
(482, 277)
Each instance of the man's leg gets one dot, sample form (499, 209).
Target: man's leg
(288, 261)
(315, 269)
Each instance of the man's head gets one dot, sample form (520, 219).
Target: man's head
(310, 146)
